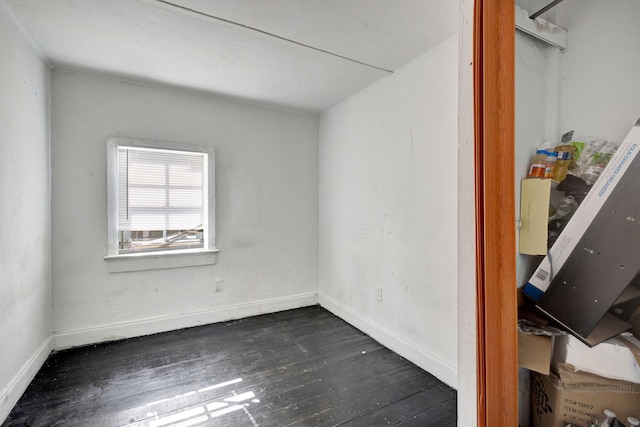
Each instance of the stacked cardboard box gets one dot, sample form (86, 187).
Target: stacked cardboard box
(578, 398)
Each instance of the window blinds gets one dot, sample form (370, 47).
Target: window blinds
(161, 198)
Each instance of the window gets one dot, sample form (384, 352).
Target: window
(160, 198)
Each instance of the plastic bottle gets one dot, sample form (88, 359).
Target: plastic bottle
(550, 164)
(562, 162)
(538, 164)
(633, 422)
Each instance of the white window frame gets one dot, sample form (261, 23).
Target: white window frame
(157, 259)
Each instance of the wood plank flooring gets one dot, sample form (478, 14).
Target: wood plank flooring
(303, 367)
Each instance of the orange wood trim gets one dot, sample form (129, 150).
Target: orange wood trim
(479, 166)
(494, 85)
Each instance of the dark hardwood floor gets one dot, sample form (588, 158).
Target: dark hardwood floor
(301, 367)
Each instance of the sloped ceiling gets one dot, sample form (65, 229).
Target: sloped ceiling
(301, 54)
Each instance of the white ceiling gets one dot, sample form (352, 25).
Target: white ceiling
(277, 55)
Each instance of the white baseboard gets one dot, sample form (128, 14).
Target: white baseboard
(391, 340)
(19, 383)
(67, 339)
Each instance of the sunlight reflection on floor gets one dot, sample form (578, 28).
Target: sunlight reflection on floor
(204, 412)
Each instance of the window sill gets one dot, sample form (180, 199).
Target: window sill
(157, 261)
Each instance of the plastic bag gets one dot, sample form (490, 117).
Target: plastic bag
(591, 157)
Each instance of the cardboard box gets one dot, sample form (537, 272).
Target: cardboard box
(617, 358)
(535, 194)
(578, 398)
(534, 352)
(584, 215)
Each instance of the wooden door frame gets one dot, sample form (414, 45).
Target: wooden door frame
(494, 128)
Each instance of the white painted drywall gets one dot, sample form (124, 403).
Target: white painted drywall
(25, 268)
(536, 98)
(388, 210)
(467, 339)
(266, 206)
(600, 94)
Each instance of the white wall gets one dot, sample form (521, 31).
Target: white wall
(537, 94)
(600, 94)
(467, 337)
(25, 272)
(267, 209)
(388, 218)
